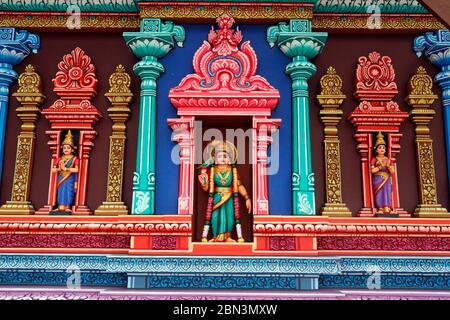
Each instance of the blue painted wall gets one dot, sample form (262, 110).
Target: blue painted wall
(271, 64)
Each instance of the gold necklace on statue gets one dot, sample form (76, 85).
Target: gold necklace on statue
(224, 178)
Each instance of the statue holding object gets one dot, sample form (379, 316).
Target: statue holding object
(382, 169)
(67, 181)
(224, 186)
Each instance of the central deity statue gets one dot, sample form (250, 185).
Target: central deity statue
(224, 186)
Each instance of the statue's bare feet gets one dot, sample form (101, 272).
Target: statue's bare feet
(230, 240)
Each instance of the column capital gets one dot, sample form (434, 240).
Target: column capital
(296, 39)
(17, 45)
(155, 38)
(436, 47)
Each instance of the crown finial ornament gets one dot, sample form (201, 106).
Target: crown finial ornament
(68, 139)
(380, 140)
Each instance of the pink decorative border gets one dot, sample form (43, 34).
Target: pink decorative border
(64, 241)
(32, 293)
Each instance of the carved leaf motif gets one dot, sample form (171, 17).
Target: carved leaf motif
(76, 71)
(375, 73)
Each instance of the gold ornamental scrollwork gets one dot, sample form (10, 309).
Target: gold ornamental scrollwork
(208, 12)
(30, 98)
(120, 96)
(420, 99)
(331, 98)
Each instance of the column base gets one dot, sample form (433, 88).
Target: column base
(431, 211)
(336, 210)
(370, 212)
(81, 211)
(17, 207)
(44, 211)
(143, 202)
(112, 209)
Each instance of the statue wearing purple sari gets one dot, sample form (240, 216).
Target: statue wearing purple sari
(382, 170)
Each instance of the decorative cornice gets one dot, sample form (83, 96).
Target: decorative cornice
(365, 6)
(244, 12)
(338, 23)
(320, 6)
(224, 265)
(63, 5)
(106, 21)
(135, 228)
(57, 21)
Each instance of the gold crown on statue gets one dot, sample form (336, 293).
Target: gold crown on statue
(217, 146)
(68, 140)
(380, 140)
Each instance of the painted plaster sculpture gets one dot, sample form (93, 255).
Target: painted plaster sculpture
(298, 42)
(72, 118)
(15, 46)
(154, 41)
(224, 83)
(30, 98)
(377, 114)
(331, 98)
(120, 96)
(436, 47)
(382, 169)
(224, 186)
(67, 175)
(420, 98)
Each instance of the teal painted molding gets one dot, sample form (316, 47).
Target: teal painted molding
(154, 41)
(62, 5)
(15, 46)
(366, 6)
(298, 42)
(436, 47)
(129, 6)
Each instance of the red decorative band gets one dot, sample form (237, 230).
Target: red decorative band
(384, 243)
(63, 241)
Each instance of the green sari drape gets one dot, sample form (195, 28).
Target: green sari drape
(222, 217)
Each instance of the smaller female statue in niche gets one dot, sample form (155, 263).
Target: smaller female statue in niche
(382, 169)
(67, 169)
(224, 186)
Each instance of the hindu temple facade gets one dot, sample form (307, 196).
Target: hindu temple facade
(272, 145)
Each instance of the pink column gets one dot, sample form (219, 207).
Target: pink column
(262, 127)
(183, 134)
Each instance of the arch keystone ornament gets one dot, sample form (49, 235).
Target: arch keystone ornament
(225, 83)
(436, 47)
(298, 42)
(155, 40)
(15, 46)
(377, 119)
(76, 85)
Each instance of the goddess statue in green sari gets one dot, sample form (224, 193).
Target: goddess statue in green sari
(219, 176)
